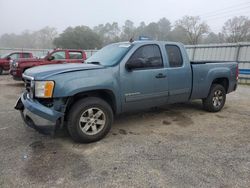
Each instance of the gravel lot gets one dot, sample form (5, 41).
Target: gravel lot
(173, 146)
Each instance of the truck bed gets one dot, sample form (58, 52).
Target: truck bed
(205, 71)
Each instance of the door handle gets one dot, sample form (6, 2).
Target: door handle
(160, 75)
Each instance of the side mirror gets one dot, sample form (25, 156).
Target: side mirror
(135, 64)
(50, 58)
(8, 58)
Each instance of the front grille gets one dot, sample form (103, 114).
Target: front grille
(27, 84)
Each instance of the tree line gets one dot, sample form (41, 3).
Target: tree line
(188, 30)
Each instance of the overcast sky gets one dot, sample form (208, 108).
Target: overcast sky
(19, 15)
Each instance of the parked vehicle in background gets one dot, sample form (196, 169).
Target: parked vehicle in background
(5, 60)
(119, 78)
(58, 56)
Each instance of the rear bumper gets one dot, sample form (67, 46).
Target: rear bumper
(45, 120)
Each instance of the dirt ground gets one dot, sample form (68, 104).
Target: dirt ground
(174, 146)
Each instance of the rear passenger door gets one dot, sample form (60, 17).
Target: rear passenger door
(146, 86)
(179, 74)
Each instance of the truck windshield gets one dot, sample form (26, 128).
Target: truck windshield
(4, 56)
(110, 55)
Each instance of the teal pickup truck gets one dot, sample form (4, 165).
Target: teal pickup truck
(120, 77)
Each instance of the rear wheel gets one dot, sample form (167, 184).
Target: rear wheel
(89, 120)
(1, 70)
(216, 98)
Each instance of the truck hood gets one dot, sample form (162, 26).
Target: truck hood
(45, 71)
(3, 60)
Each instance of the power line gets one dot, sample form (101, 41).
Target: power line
(226, 9)
(229, 12)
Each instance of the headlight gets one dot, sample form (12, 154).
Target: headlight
(44, 89)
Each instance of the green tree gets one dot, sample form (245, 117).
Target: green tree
(79, 37)
(164, 27)
(109, 33)
(152, 30)
(128, 30)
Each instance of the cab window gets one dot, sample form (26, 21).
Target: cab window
(14, 56)
(75, 55)
(26, 55)
(149, 56)
(174, 56)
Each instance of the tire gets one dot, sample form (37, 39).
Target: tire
(215, 99)
(1, 70)
(89, 120)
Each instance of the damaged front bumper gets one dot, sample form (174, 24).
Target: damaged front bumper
(43, 119)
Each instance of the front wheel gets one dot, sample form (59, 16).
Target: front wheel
(89, 120)
(215, 99)
(1, 70)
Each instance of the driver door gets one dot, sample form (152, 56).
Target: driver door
(145, 85)
(59, 57)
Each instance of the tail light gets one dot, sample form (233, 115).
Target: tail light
(237, 72)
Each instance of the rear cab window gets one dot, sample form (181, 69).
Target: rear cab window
(75, 55)
(174, 56)
(26, 55)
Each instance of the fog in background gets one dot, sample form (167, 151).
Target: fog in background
(22, 21)
(19, 15)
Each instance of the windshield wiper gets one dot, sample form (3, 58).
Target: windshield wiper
(94, 62)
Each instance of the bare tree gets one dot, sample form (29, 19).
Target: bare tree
(193, 27)
(237, 29)
(37, 39)
(44, 37)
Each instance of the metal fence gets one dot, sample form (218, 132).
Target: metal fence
(36, 52)
(239, 52)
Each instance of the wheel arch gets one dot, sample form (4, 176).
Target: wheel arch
(105, 94)
(222, 81)
(24, 69)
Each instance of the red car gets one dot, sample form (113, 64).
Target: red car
(54, 57)
(6, 59)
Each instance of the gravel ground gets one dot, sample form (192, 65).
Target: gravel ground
(174, 146)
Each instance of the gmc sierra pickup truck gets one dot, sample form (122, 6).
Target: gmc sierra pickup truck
(5, 60)
(55, 57)
(120, 77)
